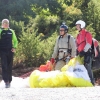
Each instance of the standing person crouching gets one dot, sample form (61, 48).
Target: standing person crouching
(65, 48)
(84, 43)
(8, 44)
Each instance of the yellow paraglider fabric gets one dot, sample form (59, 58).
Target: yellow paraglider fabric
(49, 79)
(72, 63)
(72, 75)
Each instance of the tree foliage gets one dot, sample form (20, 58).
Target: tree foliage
(36, 24)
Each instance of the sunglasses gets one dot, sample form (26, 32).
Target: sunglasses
(5, 23)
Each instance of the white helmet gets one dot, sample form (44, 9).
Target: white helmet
(82, 23)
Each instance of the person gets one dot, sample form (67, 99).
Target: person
(8, 44)
(84, 43)
(65, 48)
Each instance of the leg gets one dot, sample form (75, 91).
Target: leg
(10, 63)
(59, 65)
(90, 73)
(4, 66)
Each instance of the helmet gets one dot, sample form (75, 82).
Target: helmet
(64, 26)
(82, 23)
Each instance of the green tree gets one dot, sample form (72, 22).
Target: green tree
(17, 9)
(94, 16)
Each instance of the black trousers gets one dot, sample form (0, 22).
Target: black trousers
(6, 64)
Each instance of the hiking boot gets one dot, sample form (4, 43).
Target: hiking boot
(7, 85)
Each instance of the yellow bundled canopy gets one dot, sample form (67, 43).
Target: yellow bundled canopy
(48, 79)
(72, 63)
(73, 74)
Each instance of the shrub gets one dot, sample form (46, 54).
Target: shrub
(32, 51)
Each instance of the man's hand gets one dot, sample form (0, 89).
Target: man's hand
(13, 49)
(81, 54)
(71, 57)
(52, 60)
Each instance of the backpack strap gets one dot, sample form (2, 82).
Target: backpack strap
(68, 40)
(69, 51)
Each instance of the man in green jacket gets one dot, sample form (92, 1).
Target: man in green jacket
(8, 44)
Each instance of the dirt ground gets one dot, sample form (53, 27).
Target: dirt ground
(24, 72)
(20, 71)
(72, 93)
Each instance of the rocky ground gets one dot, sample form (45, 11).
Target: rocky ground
(73, 93)
(20, 71)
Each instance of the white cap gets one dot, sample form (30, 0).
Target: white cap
(5, 21)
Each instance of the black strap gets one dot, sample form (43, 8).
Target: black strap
(69, 51)
(68, 40)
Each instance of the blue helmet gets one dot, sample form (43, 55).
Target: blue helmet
(64, 26)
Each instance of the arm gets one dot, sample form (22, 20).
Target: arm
(56, 48)
(88, 42)
(14, 41)
(0, 33)
(73, 46)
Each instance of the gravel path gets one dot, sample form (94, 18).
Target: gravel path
(89, 93)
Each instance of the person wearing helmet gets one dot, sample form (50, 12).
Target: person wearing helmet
(65, 48)
(84, 43)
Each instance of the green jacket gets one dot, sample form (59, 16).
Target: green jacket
(8, 38)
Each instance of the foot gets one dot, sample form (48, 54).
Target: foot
(7, 85)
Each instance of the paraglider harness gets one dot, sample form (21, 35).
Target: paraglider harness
(90, 53)
(65, 58)
(87, 55)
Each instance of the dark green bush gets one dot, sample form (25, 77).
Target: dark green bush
(32, 51)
